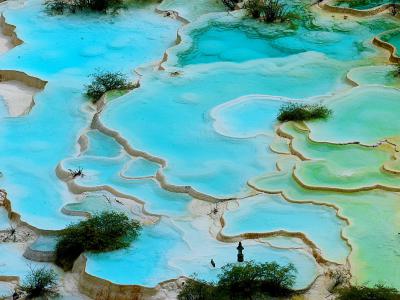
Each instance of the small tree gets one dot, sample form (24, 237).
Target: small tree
(230, 4)
(267, 10)
(251, 279)
(394, 9)
(378, 292)
(244, 281)
(273, 10)
(195, 289)
(103, 232)
(396, 71)
(254, 8)
(104, 81)
(60, 6)
(40, 282)
(56, 7)
(302, 112)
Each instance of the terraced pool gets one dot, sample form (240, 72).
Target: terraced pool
(195, 152)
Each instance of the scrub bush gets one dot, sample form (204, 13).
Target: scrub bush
(102, 232)
(56, 7)
(254, 8)
(268, 11)
(230, 4)
(195, 289)
(247, 280)
(294, 13)
(72, 6)
(354, 3)
(378, 292)
(394, 9)
(40, 282)
(273, 10)
(302, 112)
(396, 71)
(104, 81)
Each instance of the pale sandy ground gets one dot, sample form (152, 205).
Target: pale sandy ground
(18, 97)
(5, 43)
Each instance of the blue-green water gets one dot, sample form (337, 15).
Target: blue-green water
(230, 40)
(208, 120)
(363, 5)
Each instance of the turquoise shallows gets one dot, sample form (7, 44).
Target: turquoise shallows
(372, 232)
(208, 112)
(191, 10)
(6, 289)
(12, 262)
(64, 50)
(94, 203)
(266, 213)
(140, 168)
(167, 250)
(363, 5)
(100, 144)
(76, 44)
(375, 75)
(182, 133)
(247, 116)
(101, 171)
(229, 38)
(44, 243)
(350, 166)
(393, 37)
(4, 220)
(359, 117)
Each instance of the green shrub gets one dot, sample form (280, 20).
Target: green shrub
(72, 6)
(195, 289)
(378, 292)
(40, 282)
(273, 10)
(354, 3)
(57, 7)
(249, 279)
(103, 232)
(302, 112)
(294, 13)
(230, 4)
(242, 281)
(394, 8)
(254, 8)
(396, 71)
(104, 81)
(267, 10)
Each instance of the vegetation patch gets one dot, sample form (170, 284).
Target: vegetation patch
(230, 4)
(60, 6)
(294, 13)
(354, 3)
(378, 292)
(396, 71)
(303, 112)
(102, 232)
(42, 282)
(248, 280)
(268, 11)
(105, 81)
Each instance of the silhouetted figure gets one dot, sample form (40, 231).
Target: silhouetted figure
(240, 256)
(212, 263)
